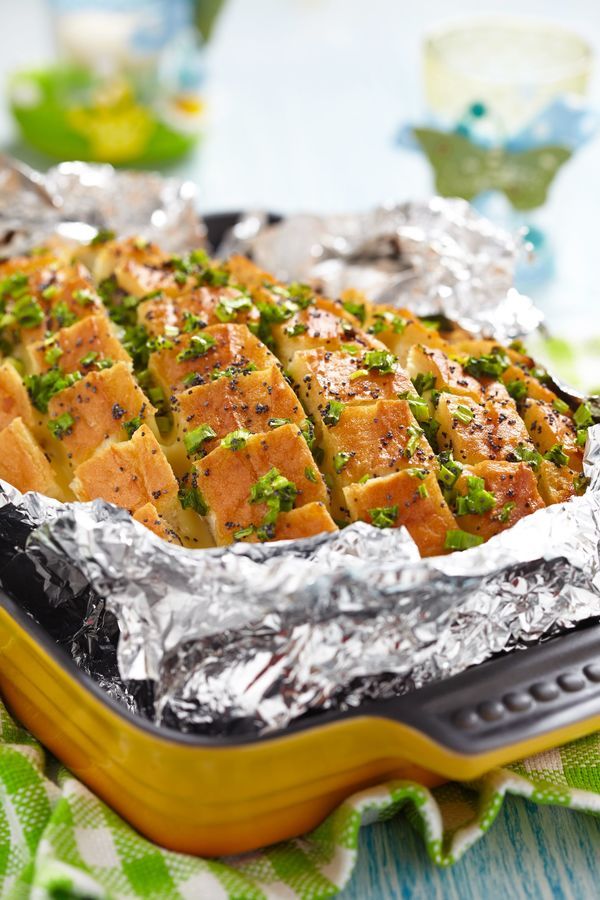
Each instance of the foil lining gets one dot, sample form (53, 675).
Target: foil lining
(77, 199)
(249, 638)
(435, 257)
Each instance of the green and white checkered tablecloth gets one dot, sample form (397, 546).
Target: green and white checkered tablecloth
(58, 840)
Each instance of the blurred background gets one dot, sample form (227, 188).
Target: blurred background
(313, 104)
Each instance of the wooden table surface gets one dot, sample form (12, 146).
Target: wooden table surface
(530, 853)
(305, 99)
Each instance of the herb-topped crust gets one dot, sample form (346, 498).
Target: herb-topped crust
(217, 404)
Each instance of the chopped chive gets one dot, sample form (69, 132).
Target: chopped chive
(490, 365)
(477, 500)
(276, 491)
(384, 516)
(463, 414)
(50, 292)
(504, 514)
(461, 540)
(557, 455)
(419, 408)
(526, 454)
(332, 412)
(132, 426)
(194, 439)
(341, 460)
(517, 389)
(382, 360)
(53, 354)
(296, 329)
(583, 415)
(355, 309)
(228, 308)
(61, 426)
(198, 346)
(190, 497)
(88, 359)
(424, 381)
(415, 434)
(236, 440)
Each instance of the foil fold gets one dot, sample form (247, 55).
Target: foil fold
(251, 637)
(75, 200)
(435, 257)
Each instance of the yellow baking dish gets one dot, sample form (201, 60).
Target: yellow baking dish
(212, 796)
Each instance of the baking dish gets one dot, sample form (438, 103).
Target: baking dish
(213, 796)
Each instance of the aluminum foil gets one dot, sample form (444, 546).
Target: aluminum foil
(436, 257)
(249, 638)
(77, 199)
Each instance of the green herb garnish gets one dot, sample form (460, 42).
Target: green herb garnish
(62, 425)
(463, 414)
(341, 460)
(382, 360)
(63, 315)
(192, 323)
(477, 500)
(504, 514)
(84, 297)
(424, 381)
(490, 365)
(450, 469)
(237, 439)
(526, 454)
(277, 491)
(43, 387)
(191, 497)
(557, 455)
(419, 408)
(384, 516)
(387, 320)
(277, 423)
(193, 440)
(414, 433)
(227, 308)
(461, 540)
(53, 354)
(89, 358)
(103, 236)
(583, 416)
(355, 309)
(295, 330)
(332, 412)
(199, 345)
(517, 389)
(308, 432)
(132, 426)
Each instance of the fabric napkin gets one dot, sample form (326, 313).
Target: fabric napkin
(58, 840)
